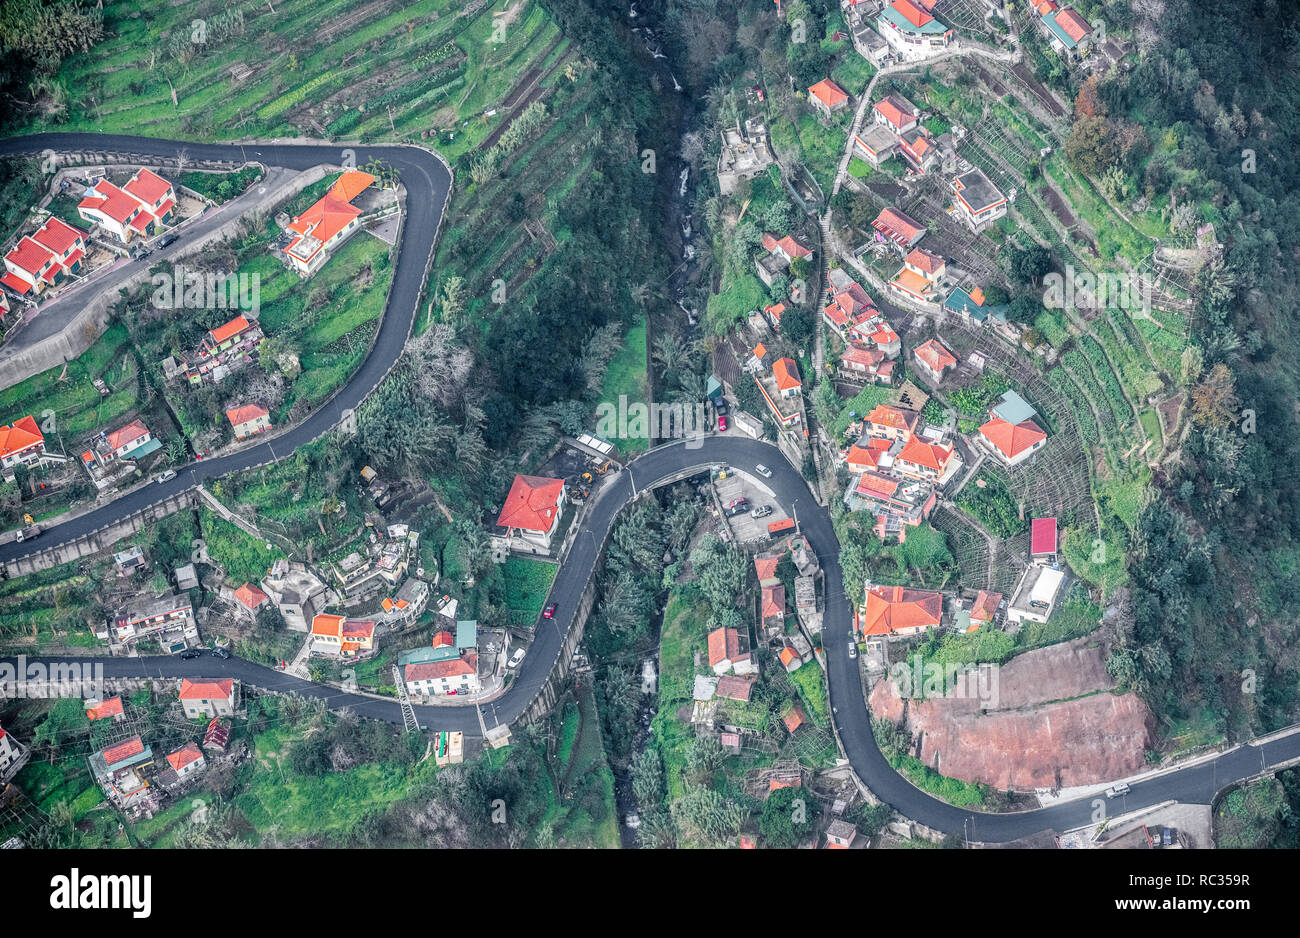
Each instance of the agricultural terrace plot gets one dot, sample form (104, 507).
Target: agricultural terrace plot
(221, 186)
(580, 802)
(77, 407)
(680, 639)
(243, 557)
(502, 231)
(1115, 235)
(348, 69)
(527, 583)
(626, 375)
(41, 606)
(820, 145)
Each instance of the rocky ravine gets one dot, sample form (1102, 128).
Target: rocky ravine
(1052, 723)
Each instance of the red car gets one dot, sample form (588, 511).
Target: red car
(722, 422)
(549, 612)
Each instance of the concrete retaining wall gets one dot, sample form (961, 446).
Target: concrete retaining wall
(99, 540)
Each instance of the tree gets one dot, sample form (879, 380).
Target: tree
(707, 817)
(787, 818)
(1027, 265)
(1214, 399)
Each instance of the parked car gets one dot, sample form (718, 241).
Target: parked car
(549, 612)
(1114, 791)
(191, 653)
(168, 239)
(29, 532)
(737, 502)
(720, 406)
(722, 423)
(140, 254)
(762, 470)
(517, 657)
(853, 648)
(221, 653)
(165, 476)
(761, 512)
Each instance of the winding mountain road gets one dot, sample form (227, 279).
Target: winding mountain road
(428, 184)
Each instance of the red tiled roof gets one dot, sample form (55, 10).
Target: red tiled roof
(935, 356)
(443, 639)
(891, 219)
(724, 645)
(786, 373)
(760, 351)
(220, 689)
(931, 455)
(1075, 26)
(184, 756)
(451, 667)
(1012, 439)
(835, 313)
(773, 598)
(218, 734)
(57, 235)
(29, 256)
(128, 434)
(785, 524)
(24, 434)
(327, 624)
(892, 109)
(351, 184)
(358, 628)
(774, 311)
(109, 200)
(532, 503)
(223, 332)
(868, 358)
(735, 686)
(15, 283)
(793, 720)
(765, 566)
(890, 609)
(249, 596)
(246, 413)
(787, 655)
(896, 418)
(107, 709)
(867, 457)
(985, 607)
(1042, 536)
(122, 751)
(875, 483)
(147, 186)
(924, 261)
(911, 12)
(828, 93)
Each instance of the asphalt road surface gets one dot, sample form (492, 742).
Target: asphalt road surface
(427, 182)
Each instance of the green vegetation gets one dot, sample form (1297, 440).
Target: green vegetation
(527, 583)
(626, 375)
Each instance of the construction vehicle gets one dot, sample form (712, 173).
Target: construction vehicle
(588, 478)
(28, 519)
(29, 532)
(604, 467)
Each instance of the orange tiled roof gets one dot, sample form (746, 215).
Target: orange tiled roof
(931, 455)
(986, 605)
(250, 596)
(184, 756)
(828, 93)
(911, 282)
(29, 256)
(765, 566)
(22, 435)
(220, 689)
(787, 655)
(890, 609)
(890, 108)
(935, 355)
(451, 667)
(442, 639)
(123, 750)
(924, 261)
(724, 645)
(532, 503)
(786, 373)
(223, 332)
(128, 434)
(896, 418)
(105, 710)
(327, 624)
(57, 235)
(1075, 26)
(147, 186)
(246, 413)
(1012, 439)
(773, 601)
(793, 720)
(109, 200)
(911, 12)
(867, 457)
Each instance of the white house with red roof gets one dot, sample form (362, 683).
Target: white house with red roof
(326, 224)
(531, 513)
(21, 444)
(926, 459)
(248, 420)
(729, 654)
(933, 359)
(896, 113)
(1011, 433)
(911, 32)
(138, 209)
(66, 242)
(208, 698)
(898, 228)
(187, 761)
(1043, 540)
(124, 442)
(889, 611)
(827, 97)
(341, 637)
(248, 599)
(109, 709)
(30, 268)
(450, 676)
(780, 252)
(1068, 33)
